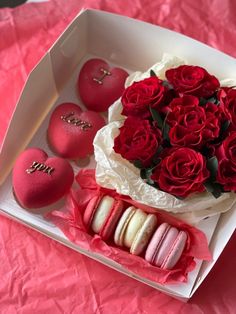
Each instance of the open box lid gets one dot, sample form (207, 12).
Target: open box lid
(223, 232)
(110, 38)
(41, 90)
(104, 34)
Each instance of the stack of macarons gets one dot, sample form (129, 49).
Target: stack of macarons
(136, 230)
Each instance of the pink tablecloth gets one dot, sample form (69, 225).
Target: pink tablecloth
(39, 275)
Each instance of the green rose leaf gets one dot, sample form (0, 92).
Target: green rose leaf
(212, 166)
(145, 174)
(165, 130)
(156, 117)
(202, 101)
(214, 100)
(152, 73)
(138, 164)
(167, 84)
(214, 188)
(224, 126)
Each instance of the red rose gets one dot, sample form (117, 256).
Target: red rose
(193, 80)
(226, 155)
(182, 172)
(138, 141)
(192, 125)
(227, 98)
(149, 92)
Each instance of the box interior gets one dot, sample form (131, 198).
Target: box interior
(53, 81)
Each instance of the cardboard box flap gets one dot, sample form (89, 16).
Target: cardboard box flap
(38, 94)
(138, 45)
(41, 90)
(223, 232)
(69, 49)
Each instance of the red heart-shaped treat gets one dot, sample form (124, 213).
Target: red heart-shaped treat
(100, 85)
(38, 180)
(71, 131)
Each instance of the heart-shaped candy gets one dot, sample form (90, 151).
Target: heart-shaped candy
(100, 85)
(71, 131)
(38, 180)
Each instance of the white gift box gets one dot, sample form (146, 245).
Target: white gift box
(127, 43)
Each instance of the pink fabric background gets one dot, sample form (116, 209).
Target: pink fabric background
(39, 275)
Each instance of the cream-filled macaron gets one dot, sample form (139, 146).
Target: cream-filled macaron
(166, 246)
(101, 215)
(134, 229)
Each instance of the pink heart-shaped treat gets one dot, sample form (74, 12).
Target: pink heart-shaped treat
(38, 180)
(71, 131)
(100, 85)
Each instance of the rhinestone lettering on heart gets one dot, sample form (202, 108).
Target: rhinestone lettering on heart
(104, 74)
(37, 166)
(69, 118)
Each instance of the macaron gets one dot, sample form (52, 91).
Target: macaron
(39, 180)
(135, 229)
(101, 215)
(166, 246)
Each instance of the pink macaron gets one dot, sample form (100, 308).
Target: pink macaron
(134, 230)
(101, 215)
(166, 246)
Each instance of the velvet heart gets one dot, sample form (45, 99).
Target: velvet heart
(71, 131)
(38, 180)
(100, 85)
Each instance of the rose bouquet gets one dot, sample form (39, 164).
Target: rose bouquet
(176, 125)
(181, 132)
